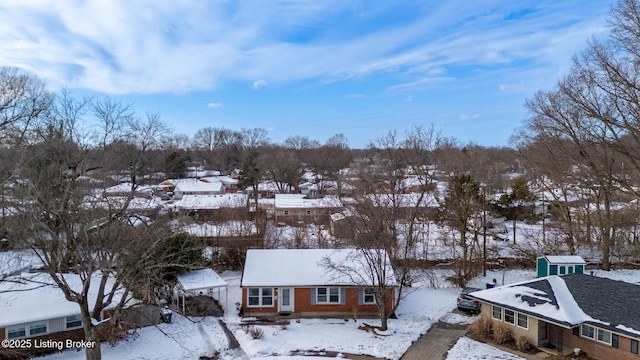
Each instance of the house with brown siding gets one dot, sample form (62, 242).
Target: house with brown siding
(295, 209)
(558, 314)
(298, 282)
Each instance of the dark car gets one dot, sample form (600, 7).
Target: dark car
(466, 303)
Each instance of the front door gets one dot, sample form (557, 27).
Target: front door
(285, 300)
(543, 333)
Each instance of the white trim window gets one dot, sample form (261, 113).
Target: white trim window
(16, 331)
(509, 316)
(604, 336)
(328, 295)
(73, 321)
(588, 331)
(496, 312)
(26, 330)
(523, 321)
(260, 297)
(38, 327)
(368, 296)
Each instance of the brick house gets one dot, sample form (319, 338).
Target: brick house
(560, 313)
(294, 209)
(33, 308)
(297, 282)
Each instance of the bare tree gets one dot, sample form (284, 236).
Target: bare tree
(383, 215)
(461, 203)
(112, 249)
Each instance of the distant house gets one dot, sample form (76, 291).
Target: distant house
(268, 189)
(294, 209)
(560, 265)
(198, 187)
(296, 282)
(127, 190)
(237, 234)
(559, 313)
(213, 207)
(32, 307)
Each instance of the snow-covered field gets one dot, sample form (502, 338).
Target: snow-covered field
(424, 305)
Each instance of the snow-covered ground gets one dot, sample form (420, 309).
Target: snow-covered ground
(424, 305)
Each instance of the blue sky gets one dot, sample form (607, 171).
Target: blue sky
(309, 68)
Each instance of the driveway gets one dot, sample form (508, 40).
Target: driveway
(436, 342)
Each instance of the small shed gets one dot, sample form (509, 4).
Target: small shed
(198, 283)
(560, 265)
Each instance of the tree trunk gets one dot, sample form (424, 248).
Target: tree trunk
(92, 352)
(384, 319)
(514, 231)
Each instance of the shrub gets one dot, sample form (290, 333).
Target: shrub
(522, 343)
(502, 333)
(481, 327)
(256, 333)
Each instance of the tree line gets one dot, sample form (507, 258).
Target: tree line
(580, 144)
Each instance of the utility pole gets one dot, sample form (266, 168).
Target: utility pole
(484, 232)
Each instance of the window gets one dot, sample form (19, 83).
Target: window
(496, 312)
(509, 317)
(328, 295)
(368, 296)
(308, 212)
(634, 346)
(260, 297)
(604, 336)
(38, 327)
(523, 321)
(22, 330)
(563, 270)
(286, 212)
(588, 331)
(16, 331)
(74, 321)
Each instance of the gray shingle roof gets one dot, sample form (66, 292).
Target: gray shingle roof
(611, 301)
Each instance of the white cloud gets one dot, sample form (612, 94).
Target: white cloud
(260, 84)
(469, 116)
(120, 46)
(214, 104)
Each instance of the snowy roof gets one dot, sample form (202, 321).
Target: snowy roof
(571, 300)
(111, 202)
(199, 186)
(299, 201)
(226, 180)
(34, 296)
(201, 279)
(229, 228)
(568, 259)
(126, 188)
(212, 201)
(403, 200)
(306, 267)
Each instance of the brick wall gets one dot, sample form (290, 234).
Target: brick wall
(303, 305)
(599, 350)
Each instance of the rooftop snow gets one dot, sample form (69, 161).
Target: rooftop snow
(568, 259)
(549, 297)
(305, 267)
(212, 201)
(34, 296)
(299, 201)
(201, 279)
